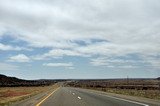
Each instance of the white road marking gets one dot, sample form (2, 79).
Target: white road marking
(79, 97)
(123, 99)
(73, 93)
(128, 100)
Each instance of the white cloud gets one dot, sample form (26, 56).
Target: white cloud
(99, 62)
(19, 58)
(9, 47)
(13, 48)
(101, 49)
(114, 62)
(71, 68)
(127, 63)
(58, 23)
(8, 67)
(105, 48)
(59, 64)
(61, 52)
(58, 53)
(129, 27)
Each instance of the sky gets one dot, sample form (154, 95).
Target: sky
(80, 39)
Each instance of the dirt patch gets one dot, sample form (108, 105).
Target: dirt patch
(10, 93)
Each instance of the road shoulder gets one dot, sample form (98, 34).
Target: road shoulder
(127, 97)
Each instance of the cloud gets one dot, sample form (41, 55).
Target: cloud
(109, 48)
(119, 28)
(152, 60)
(8, 67)
(58, 23)
(124, 62)
(71, 68)
(9, 48)
(70, 65)
(19, 58)
(99, 62)
(102, 48)
(62, 52)
(116, 62)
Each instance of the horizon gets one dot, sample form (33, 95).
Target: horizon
(82, 78)
(84, 39)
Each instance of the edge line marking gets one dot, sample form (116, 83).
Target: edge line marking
(118, 98)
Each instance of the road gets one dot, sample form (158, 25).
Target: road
(69, 96)
(66, 96)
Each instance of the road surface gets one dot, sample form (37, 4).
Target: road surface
(68, 96)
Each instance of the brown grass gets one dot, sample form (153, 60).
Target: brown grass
(9, 95)
(152, 94)
(148, 88)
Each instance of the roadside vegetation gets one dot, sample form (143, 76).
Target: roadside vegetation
(9, 95)
(148, 88)
(152, 94)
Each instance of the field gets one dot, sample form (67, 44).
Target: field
(9, 95)
(148, 88)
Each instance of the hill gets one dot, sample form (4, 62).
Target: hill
(6, 81)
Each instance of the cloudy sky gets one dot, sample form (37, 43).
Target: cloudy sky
(80, 38)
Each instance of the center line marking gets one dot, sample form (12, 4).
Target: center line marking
(46, 97)
(79, 97)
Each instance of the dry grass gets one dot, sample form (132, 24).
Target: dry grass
(12, 94)
(152, 94)
(148, 88)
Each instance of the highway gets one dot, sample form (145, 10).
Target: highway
(69, 96)
(66, 96)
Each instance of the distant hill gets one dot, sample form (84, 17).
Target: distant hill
(158, 78)
(6, 81)
(9, 80)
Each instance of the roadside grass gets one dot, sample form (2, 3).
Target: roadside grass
(152, 94)
(8, 95)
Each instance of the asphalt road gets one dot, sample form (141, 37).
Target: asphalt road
(66, 96)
